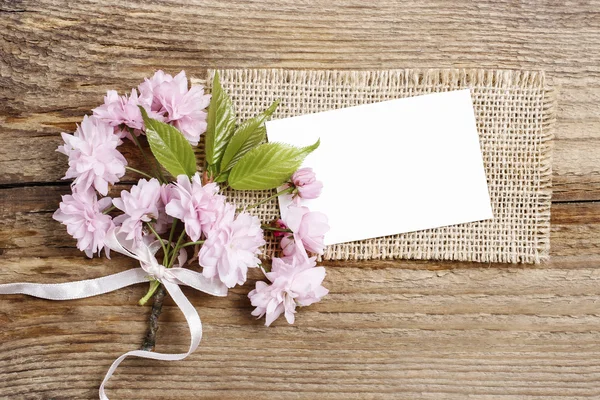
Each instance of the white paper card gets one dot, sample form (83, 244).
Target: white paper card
(392, 167)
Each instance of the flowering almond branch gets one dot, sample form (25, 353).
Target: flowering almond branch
(225, 240)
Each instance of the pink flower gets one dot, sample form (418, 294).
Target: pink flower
(118, 110)
(306, 185)
(294, 283)
(164, 220)
(182, 107)
(308, 227)
(147, 88)
(196, 205)
(140, 205)
(231, 247)
(94, 160)
(81, 212)
(122, 112)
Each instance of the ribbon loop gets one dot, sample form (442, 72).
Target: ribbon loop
(171, 278)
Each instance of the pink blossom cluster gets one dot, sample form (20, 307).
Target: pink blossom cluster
(231, 242)
(191, 211)
(165, 98)
(295, 280)
(95, 163)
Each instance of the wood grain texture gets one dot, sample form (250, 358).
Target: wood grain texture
(388, 330)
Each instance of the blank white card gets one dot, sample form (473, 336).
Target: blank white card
(392, 167)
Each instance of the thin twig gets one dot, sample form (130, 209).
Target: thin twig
(162, 243)
(159, 297)
(170, 242)
(176, 249)
(138, 144)
(150, 338)
(191, 244)
(271, 228)
(137, 171)
(284, 191)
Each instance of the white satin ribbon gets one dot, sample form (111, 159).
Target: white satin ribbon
(171, 278)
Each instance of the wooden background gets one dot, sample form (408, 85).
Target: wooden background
(388, 329)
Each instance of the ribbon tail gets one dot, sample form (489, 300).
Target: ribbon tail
(78, 289)
(194, 324)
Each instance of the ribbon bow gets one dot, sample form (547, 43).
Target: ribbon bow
(149, 269)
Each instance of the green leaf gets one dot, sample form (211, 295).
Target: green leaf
(169, 146)
(223, 176)
(220, 123)
(247, 136)
(268, 166)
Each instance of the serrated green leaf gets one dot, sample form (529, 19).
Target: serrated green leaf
(243, 145)
(268, 166)
(247, 136)
(169, 146)
(220, 123)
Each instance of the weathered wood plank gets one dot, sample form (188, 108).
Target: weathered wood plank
(27, 158)
(58, 59)
(384, 332)
(28, 227)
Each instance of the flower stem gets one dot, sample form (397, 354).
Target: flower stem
(192, 243)
(167, 261)
(271, 228)
(170, 242)
(162, 243)
(108, 209)
(284, 191)
(139, 172)
(176, 249)
(153, 286)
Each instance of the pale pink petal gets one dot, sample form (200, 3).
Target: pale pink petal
(294, 281)
(305, 184)
(309, 228)
(196, 205)
(83, 217)
(94, 160)
(232, 245)
(140, 204)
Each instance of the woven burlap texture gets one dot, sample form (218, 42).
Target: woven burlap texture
(515, 118)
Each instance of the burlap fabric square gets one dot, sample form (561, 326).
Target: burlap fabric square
(515, 118)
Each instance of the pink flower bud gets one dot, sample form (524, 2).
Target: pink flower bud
(306, 184)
